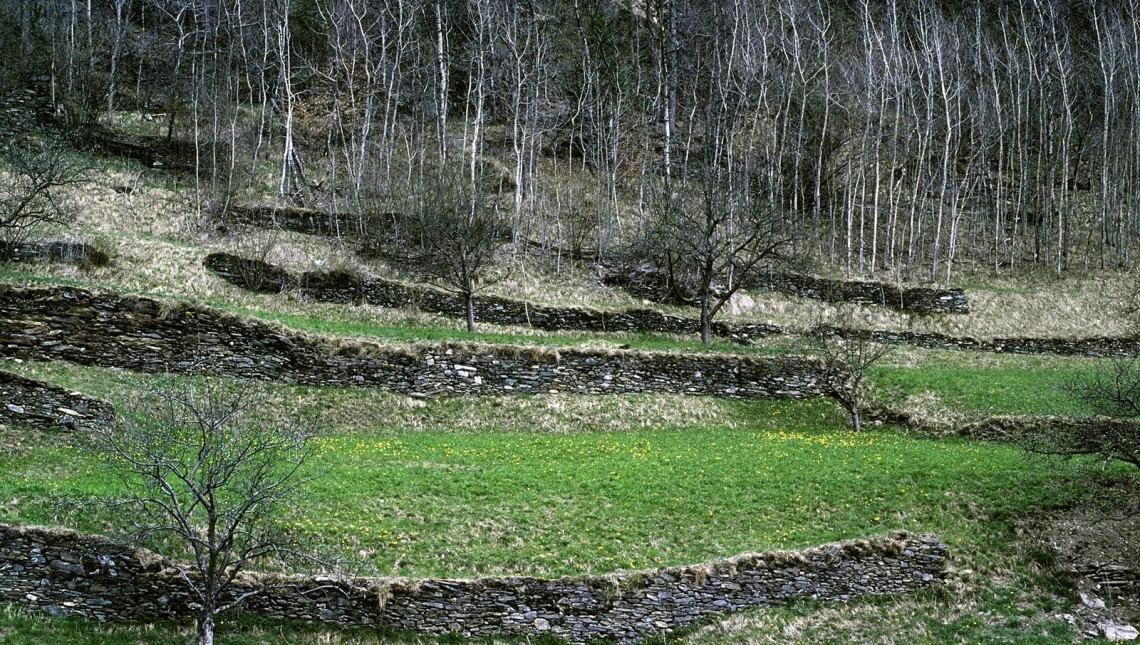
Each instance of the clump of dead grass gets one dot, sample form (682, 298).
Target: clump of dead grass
(926, 410)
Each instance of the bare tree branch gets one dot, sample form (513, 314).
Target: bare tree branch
(209, 470)
(29, 195)
(847, 358)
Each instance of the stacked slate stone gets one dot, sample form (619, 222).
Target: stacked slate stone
(646, 281)
(31, 403)
(146, 335)
(68, 573)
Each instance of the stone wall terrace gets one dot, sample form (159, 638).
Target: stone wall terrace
(342, 287)
(41, 405)
(147, 335)
(647, 281)
(68, 573)
(1091, 347)
(347, 288)
(909, 299)
(919, 300)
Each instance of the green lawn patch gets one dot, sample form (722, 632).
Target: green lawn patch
(986, 384)
(763, 475)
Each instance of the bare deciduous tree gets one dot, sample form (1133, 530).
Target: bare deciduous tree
(460, 234)
(719, 218)
(1111, 391)
(848, 354)
(29, 195)
(208, 468)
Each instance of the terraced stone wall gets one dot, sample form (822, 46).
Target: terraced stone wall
(52, 251)
(40, 405)
(146, 335)
(642, 283)
(342, 287)
(646, 281)
(67, 573)
(1093, 346)
(919, 300)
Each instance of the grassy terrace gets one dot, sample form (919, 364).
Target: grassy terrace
(553, 485)
(972, 384)
(559, 485)
(497, 500)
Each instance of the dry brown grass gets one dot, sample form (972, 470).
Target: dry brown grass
(1083, 306)
(158, 234)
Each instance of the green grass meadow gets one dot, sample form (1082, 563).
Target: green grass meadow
(562, 485)
(556, 485)
(458, 504)
(968, 383)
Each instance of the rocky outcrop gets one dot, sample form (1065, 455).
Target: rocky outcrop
(146, 335)
(68, 573)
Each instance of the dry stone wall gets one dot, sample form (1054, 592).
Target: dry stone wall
(68, 573)
(647, 281)
(307, 221)
(1093, 346)
(40, 405)
(64, 251)
(343, 287)
(348, 288)
(146, 335)
(920, 300)
(1036, 429)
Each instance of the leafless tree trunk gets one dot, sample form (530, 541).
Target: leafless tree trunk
(208, 470)
(442, 81)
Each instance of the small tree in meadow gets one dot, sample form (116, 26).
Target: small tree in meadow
(460, 233)
(848, 354)
(1112, 391)
(208, 468)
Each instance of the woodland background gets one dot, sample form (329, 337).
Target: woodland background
(905, 139)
